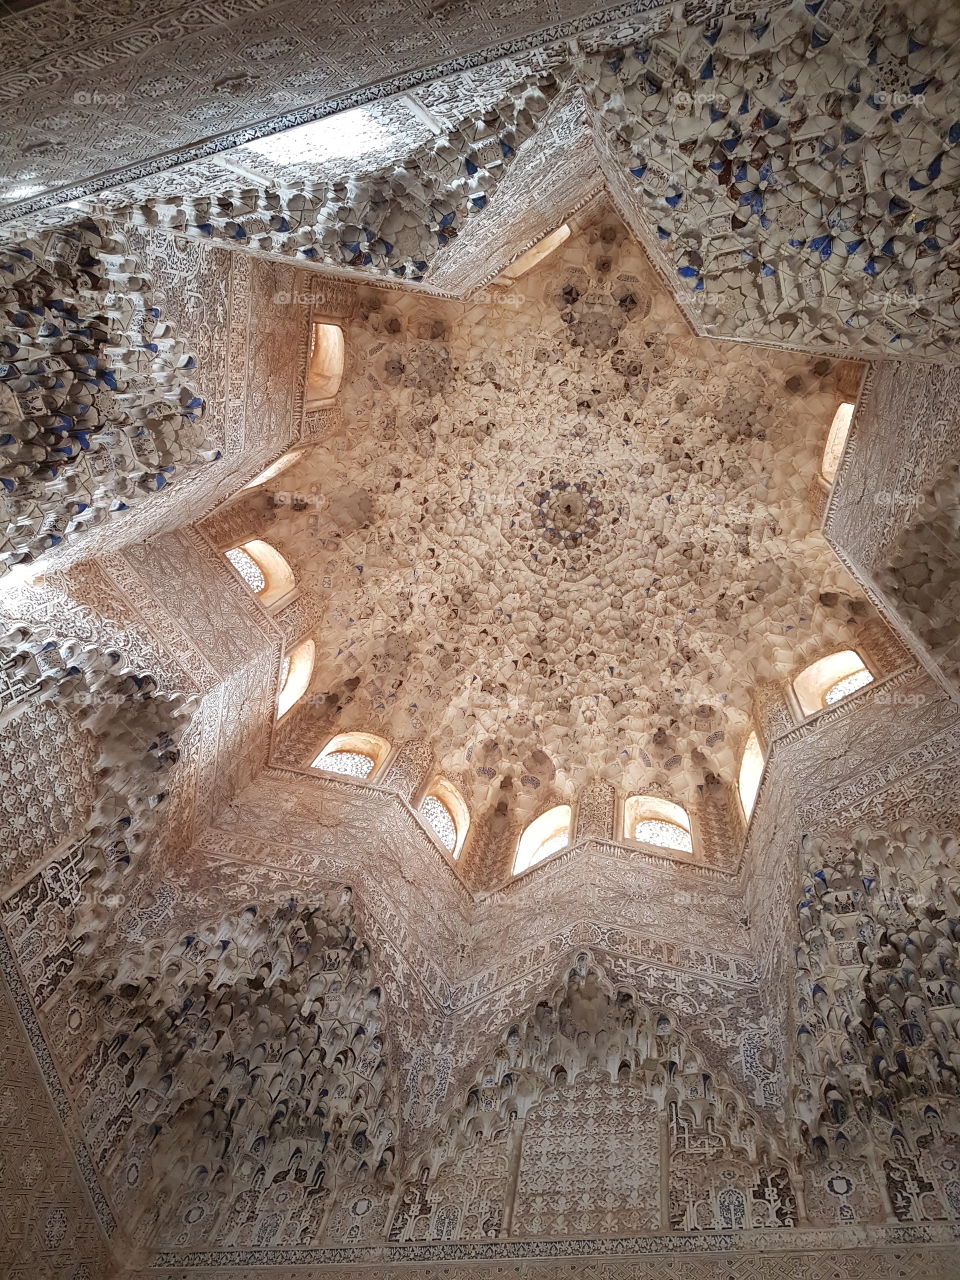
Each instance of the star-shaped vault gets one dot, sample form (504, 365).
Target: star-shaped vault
(561, 536)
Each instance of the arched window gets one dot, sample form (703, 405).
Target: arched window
(829, 680)
(356, 755)
(536, 253)
(444, 809)
(248, 569)
(264, 570)
(324, 363)
(833, 450)
(751, 771)
(295, 676)
(846, 685)
(274, 469)
(658, 822)
(543, 836)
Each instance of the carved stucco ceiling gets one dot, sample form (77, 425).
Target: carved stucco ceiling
(560, 535)
(139, 88)
(795, 176)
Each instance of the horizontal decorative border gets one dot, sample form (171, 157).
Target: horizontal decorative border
(784, 1240)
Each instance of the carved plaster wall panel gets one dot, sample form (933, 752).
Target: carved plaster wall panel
(49, 770)
(884, 509)
(613, 1187)
(50, 1228)
(196, 594)
(920, 727)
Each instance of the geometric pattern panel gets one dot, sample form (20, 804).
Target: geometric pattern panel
(590, 1163)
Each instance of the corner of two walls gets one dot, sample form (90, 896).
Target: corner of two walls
(891, 517)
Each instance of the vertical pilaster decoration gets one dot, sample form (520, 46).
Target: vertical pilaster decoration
(771, 712)
(718, 827)
(301, 734)
(818, 499)
(882, 649)
(486, 860)
(410, 769)
(596, 805)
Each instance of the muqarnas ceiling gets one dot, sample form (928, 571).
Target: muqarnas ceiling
(566, 517)
(795, 176)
